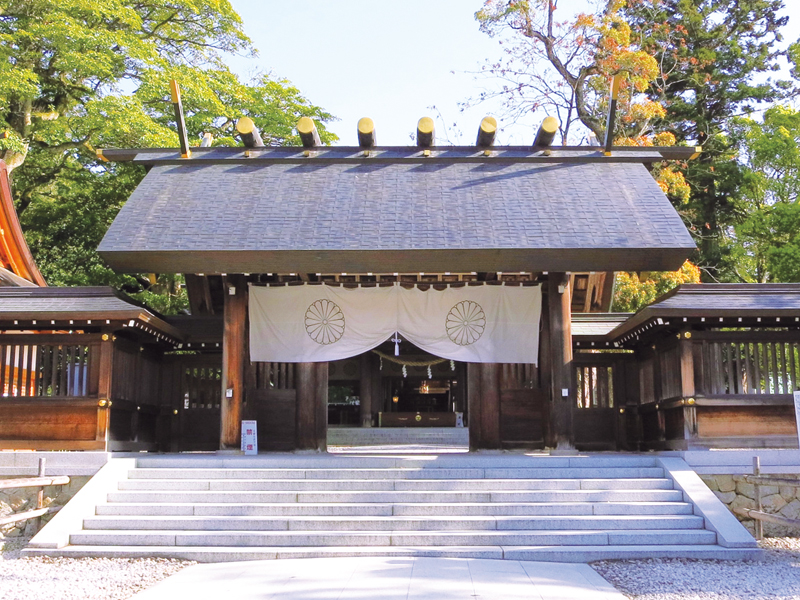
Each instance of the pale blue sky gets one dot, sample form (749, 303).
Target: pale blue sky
(389, 60)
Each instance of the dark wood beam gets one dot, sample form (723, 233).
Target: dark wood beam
(562, 393)
(406, 154)
(199, 292)
(321, 406)
(474, 406)
(312, 406)
(365, 394)
(490, 406)
(233, 361)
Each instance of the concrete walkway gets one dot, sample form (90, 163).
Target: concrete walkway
(385, 579)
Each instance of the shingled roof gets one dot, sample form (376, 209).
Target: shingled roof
(715, 305)
(44, 307)
(396, 211)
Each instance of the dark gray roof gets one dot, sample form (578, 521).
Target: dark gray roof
(596, 326)
(714, 301)
(435, 216)
(60, 304)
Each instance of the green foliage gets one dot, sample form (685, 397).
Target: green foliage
(713, 54)
(767, 235)
(78, 75)
(633, 291)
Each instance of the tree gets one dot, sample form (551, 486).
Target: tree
(633, 291)
(76, 76)
(767, 236)
(711, 54)
(566, 68)
(708, 57)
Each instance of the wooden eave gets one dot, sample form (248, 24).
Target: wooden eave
(714, 311)
(79, 309)
(402, 154)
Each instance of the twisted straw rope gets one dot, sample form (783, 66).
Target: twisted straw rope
(410, 363)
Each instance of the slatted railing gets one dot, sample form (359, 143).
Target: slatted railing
(752, 367)
(595, 386)
(202, 387)
(273, 375)
(42, 370)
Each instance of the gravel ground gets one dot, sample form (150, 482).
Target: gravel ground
(43, 578)
(776, 577)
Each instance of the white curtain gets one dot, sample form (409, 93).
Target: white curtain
(316, 323)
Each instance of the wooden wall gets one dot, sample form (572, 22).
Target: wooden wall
(720, 389)
(506, 406)
(79, 392)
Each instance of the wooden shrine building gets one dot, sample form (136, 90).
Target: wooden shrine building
(295, 256)
(235, 219)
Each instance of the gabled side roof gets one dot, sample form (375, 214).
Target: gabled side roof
(36, 308)
(716, 305)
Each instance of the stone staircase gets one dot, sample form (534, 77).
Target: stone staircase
(411, 439)
(514, 506)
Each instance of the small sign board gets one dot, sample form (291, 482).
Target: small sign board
(250, 437)
(797, 412)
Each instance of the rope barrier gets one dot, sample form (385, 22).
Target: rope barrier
(410, 363)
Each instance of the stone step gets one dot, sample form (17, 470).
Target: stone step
(459, 461)
(395, 523)
(356, 437)
(401, 496)
(577, 554)
(392, 538)
(386, 485)
(388, 509)
(402, 473)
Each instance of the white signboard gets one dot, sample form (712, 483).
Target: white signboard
(797, 411)
(249, 437)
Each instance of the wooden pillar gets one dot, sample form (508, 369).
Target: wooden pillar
(490, 405)
(560, 339)
(105, 382)
(378, 394)
(483, 400)
(686, 353)
(545, 372)
(474, 406)
(305, 430)
(461, 389)
(311, 428)
(234, 337)
(365, 395)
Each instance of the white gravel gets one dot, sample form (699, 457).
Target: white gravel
(776, 577)
(44, 578)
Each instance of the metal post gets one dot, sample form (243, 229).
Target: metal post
(758, 525)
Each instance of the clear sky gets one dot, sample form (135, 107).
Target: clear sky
(391, 60)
